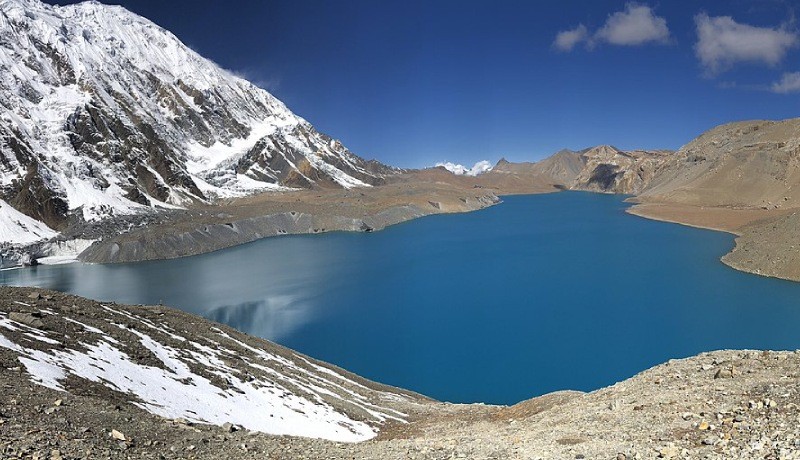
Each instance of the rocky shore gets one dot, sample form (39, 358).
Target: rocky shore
(224, 230)
(719, 405)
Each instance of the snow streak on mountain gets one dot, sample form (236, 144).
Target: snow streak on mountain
(104, 113)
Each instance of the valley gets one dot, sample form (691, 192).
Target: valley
(127, 152)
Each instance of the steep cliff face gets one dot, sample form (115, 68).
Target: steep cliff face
(104, 113)
(599, 169)
(609, 169)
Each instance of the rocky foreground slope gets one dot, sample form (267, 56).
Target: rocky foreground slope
(83, 379)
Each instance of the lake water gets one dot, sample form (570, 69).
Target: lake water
(540, 293)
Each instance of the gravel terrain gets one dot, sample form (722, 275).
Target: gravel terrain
(724, 404)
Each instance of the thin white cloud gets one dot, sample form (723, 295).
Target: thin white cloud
(461, 170)
(789, 83)
(723, 42)
(567, 39)
(636, 25)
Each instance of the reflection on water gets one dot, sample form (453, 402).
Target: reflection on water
(274, 317)
(266, 290)
(541, 293)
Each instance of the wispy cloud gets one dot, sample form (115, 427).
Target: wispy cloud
(636, 25)
(723, 42)
(269, 84)
(789, 83)
(257, 77)
(568, 39)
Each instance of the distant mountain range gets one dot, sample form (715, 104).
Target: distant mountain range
(104, 113)
(752, 164)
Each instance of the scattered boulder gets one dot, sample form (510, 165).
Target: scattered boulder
(727, 372)
(229, 427)
(27, 319)
(118, 435)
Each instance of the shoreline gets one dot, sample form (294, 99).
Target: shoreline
(637, 210)
(208, 238)
(224, 226)
(750, 254)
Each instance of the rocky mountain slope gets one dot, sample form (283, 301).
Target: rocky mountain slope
(273, 214)
(749, 164)
(103, 113)
(744, 164)
(84, 379)
(561, 168)
(609, 169)
(178, 366)
(740, 177)
(603, 168)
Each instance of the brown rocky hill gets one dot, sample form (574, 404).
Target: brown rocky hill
(744, 164)
(740, 177)
(603, 168)
(609, 169)
(560, 168)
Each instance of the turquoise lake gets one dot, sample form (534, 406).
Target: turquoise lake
(539, 293)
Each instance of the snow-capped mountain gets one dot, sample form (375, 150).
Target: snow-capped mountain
(103, 112)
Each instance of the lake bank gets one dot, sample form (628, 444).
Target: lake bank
(569, 270)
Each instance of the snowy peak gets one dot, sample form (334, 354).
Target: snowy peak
(104, 113)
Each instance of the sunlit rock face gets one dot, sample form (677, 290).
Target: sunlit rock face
(104, 113)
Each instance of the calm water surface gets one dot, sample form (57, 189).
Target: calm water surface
(541, 293)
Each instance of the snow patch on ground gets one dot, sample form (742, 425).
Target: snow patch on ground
(289, 400)
(17, 228)
(201, 158)
(461, 170)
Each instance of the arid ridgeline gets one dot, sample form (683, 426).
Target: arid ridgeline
(742, 178)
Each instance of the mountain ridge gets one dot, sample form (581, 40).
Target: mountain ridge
(105, 113)
(103, 135)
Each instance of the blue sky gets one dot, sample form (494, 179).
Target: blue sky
(412, 83)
